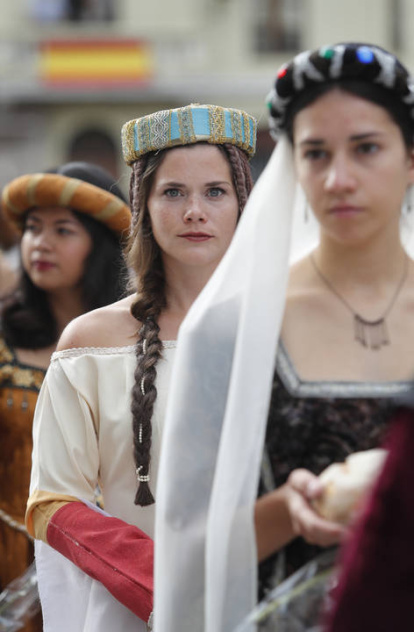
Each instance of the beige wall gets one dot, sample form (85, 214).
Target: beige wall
(357, 20)
(203, 51)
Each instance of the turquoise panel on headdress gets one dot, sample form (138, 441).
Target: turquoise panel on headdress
(187, 125)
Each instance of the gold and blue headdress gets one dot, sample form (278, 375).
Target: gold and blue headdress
(346, 61)
(188, 125)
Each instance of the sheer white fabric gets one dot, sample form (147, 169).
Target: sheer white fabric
(205, 568)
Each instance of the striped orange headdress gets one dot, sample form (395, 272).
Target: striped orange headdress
(39, 190)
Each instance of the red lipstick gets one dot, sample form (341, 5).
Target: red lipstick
(194, 236)
(43, 265)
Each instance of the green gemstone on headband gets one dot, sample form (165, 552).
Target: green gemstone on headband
(327, 53)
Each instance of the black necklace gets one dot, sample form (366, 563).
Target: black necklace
(372, 334)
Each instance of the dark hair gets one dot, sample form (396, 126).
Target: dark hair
(27, 320)
(374, 93)
(145, 260)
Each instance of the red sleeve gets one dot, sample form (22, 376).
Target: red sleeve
(376, 584)
(114, 552)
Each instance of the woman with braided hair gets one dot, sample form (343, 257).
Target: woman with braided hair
(145, 258)
(72, 220)
(100, 414)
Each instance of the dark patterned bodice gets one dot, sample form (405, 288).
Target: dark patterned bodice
(311, 425)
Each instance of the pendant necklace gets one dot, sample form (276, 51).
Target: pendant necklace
(372, 334)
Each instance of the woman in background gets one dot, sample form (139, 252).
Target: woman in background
(72, 222)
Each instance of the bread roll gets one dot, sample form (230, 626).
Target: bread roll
(346, 483)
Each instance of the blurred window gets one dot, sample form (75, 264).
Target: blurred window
(94, 145)
(278, 24)
(72, 10)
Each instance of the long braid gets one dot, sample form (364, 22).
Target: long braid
(144, 393)
(241, 173)
(148, 349)
(138, 169)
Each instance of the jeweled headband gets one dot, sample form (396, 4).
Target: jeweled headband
(188, 125)
(364, 62)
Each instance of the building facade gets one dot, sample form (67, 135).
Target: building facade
(73, 71)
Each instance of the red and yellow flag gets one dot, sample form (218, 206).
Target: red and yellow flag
(95, 63)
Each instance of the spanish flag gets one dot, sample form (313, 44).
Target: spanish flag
(95, 63)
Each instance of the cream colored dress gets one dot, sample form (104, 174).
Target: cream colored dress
(83, 436)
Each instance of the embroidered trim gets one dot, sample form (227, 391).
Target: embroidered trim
(217, 125)
(341, 389)
(160, 130)
(187, 134)
(143, 135)
(78, 351)
(16, 374)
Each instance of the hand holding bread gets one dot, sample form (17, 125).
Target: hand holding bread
(345, 484)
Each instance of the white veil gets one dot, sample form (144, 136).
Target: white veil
(205, 556)
(205, 552)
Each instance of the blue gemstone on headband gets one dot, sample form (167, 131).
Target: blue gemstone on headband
(365, 55)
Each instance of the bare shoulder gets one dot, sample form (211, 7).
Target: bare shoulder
(109, 326)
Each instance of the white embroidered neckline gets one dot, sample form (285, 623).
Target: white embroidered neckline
(77, 351)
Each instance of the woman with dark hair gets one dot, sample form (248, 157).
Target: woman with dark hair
(305, 361)
(101, 411)
(347, 326)
(72, 221)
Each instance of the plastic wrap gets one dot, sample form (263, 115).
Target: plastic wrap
(19, 601)
(297, 604)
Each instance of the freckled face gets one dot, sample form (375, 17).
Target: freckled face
(193, 206)
(353, 165)
(54, 248)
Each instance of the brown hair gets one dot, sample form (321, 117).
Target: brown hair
(144, 258)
